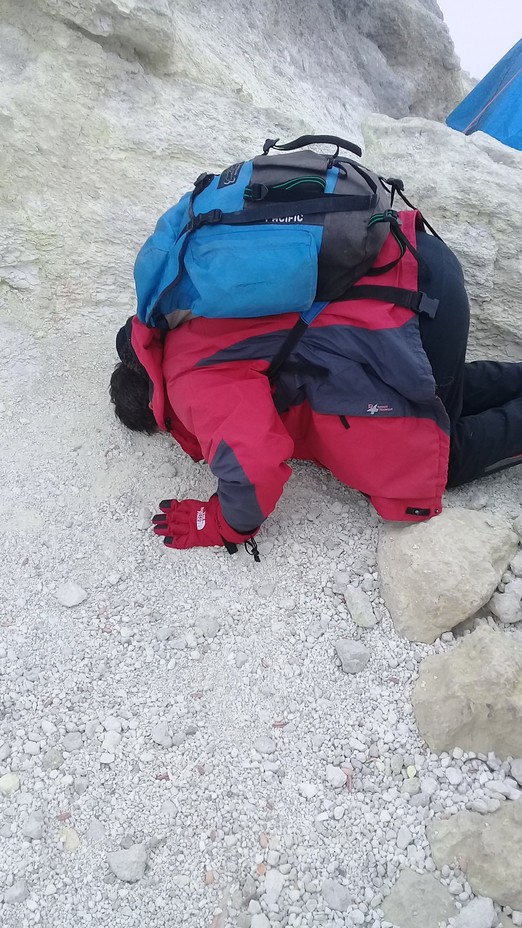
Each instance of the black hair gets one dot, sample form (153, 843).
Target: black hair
(129, 392)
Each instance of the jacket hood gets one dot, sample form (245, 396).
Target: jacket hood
(147, 344)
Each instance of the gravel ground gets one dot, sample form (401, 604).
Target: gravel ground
(193, 704)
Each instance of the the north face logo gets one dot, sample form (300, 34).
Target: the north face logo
(201, 518)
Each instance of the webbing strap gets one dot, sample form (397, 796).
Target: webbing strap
(329, 203)
(294, 335)
(415, 300)
(293, 211)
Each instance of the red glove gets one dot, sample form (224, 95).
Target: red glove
(195, 524)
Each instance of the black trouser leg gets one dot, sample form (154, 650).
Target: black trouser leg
(486, 442)
(488, 436)
(483, 399)
(490, 383)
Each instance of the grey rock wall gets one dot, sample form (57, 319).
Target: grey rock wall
(470, 189)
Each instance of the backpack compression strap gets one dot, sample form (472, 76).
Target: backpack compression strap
(329, 203)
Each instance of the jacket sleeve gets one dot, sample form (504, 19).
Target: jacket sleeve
(242, 439)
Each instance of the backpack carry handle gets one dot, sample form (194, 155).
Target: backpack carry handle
(312, 140)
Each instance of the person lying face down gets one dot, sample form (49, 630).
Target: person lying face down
(379, 395)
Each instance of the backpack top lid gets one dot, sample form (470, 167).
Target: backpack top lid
(266, 236)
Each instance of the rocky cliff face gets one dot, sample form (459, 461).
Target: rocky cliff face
(380, 54)
(110, 109)
(470, 187)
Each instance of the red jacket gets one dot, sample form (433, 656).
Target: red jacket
(357, 396)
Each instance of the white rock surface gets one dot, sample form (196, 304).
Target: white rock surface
(259, 921)
(436, 574)
(72, 741)
(161, 735)
(516, 770)
(307, 790)
(492, 279)
(265, 745)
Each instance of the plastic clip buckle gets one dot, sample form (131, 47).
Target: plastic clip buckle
(203, 219)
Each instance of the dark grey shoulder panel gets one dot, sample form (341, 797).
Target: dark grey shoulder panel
(237, 494)
(348, 370)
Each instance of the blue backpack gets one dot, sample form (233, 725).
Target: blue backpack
(279, 233)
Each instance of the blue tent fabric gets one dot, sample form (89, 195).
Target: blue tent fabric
(494, 106)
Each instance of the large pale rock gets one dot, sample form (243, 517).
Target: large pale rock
(487, 848)
(471, 697)
(474, 203)
(436, 574)
(418, 901)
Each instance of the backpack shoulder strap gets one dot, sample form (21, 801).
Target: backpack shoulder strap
(415, 300)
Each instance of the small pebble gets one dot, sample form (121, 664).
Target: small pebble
(16, 893)
(129, 864)
(265, 745)
(72, 741)
(70, 594)
(33, 826)
(9, 783)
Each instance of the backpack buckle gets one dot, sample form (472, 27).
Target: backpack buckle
(212, 217)
(205, 219)
(427, 305)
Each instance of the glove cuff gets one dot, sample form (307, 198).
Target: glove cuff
(229, 534)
